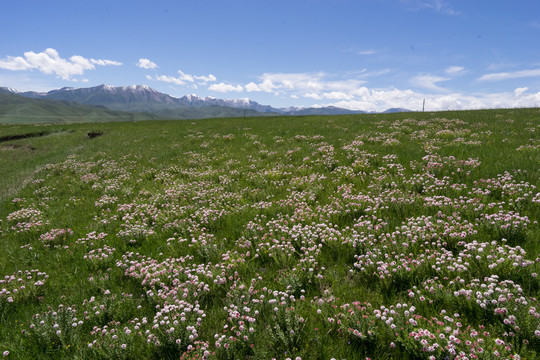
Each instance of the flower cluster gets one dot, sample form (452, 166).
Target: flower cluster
(21, 286)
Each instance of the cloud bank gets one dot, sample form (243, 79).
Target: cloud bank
(382, 99)
(353, 94)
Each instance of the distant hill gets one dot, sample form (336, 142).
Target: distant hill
(111, 97)
(16, 109)
(396, 110)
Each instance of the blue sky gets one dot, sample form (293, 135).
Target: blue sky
(368, 55)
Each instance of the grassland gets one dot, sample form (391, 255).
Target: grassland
(390, 236)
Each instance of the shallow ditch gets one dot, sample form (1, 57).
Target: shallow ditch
(23, 136)
(32, 135)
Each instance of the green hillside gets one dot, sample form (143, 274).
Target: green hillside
(15, 109)
(209, 112)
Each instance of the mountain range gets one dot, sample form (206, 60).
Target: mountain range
(141, 98)
(19, 109)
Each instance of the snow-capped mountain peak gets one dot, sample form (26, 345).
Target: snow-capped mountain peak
(192, 97)
(133, 88)
(11, 90)
(109, 88)
(241, 101)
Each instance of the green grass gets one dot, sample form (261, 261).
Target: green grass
(227, 210)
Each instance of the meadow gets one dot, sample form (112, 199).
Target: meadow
(388, 236)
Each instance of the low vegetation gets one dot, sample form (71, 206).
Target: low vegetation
(389, 236)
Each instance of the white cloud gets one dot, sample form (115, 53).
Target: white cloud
(428, 82)
(169, 79)
(14, 63)
(337, 95)
(49, 62)
(102, 62)
(252, 87)
(206, 79)
(343, 85)
(222, 87)
(267, 85)
(520, 91)
(196, 78)
(314, 96)
(185, 79)
(455, 70)
(509, 75)
(146, 64)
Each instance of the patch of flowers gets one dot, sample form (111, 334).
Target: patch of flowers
(19, 287)
(26, 220)
(55, 237)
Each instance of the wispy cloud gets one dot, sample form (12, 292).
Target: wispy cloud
(438, 6)
(102, 62)
(455, 70)
(366, 74)
(366, 52)
(428, 82)
(500, 66)
(146, 64)
(50, 62)
(510, 75)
